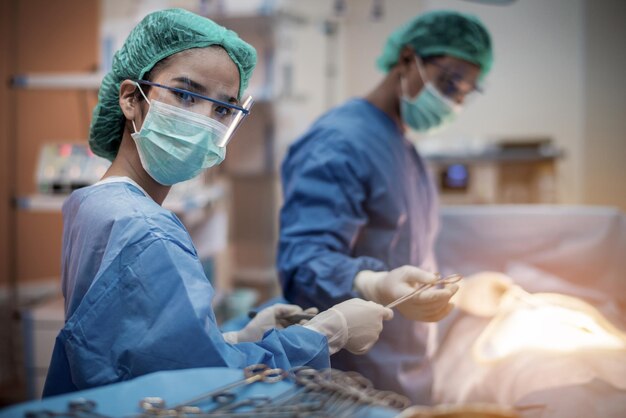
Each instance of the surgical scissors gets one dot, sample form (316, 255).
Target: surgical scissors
(453, 278)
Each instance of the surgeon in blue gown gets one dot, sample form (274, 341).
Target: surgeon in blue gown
(360, 211)
(137, 299)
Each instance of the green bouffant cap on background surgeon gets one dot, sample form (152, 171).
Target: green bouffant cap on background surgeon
(441, 33)
(157, 36)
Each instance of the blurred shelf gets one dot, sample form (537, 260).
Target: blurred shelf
(58, 81)
(29, 292)
(41, 202)
(178, 204)
(494, 156)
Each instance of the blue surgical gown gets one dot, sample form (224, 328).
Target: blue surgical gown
(357, 196)
(138, 301)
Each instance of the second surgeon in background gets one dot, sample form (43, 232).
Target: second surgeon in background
(360, 211)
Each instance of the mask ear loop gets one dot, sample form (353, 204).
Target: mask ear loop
(403, 81)
(403, 88)
(420, 69)
(147, 101)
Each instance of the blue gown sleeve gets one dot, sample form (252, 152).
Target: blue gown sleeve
(151, 311)
(324, 189)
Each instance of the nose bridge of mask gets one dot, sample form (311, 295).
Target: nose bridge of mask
(185, 116)
(189, 117)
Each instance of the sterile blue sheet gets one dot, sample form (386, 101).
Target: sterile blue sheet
(122, 399)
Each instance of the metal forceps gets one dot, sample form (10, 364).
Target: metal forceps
(224, 396)
(453, 278)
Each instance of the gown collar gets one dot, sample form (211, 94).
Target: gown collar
(121, 179)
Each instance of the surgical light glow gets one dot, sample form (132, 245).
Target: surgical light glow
(548, 327)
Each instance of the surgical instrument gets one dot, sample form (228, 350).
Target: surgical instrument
(316, 393)
(253, 373)
(453, 278)
(331, 392)
(292, 319)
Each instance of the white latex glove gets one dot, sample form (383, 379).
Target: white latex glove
(384, 287)
(275, 316)
(480, 294)
(354, 325)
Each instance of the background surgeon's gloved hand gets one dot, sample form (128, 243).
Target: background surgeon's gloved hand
(354, 325)
(275, 316)
(384, 287)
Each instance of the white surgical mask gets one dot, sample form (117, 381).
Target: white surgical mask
(175, 145)
(429, 109)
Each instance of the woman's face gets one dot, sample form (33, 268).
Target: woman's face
(208, 72)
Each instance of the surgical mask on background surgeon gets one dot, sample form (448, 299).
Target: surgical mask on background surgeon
(429, 109)
(175, 144)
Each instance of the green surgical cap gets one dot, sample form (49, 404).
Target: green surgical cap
(157, 36)
(441, 33)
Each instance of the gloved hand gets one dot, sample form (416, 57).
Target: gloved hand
(354, 325)
(384, 287)
(275, 316)
(480, 294)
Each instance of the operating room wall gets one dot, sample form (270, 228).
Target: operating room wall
(50, 37)
(604, 148)
(5, 207)
(557, 73)
(535, 87)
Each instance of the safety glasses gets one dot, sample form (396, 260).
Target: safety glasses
(227, 113)
(454, 85)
